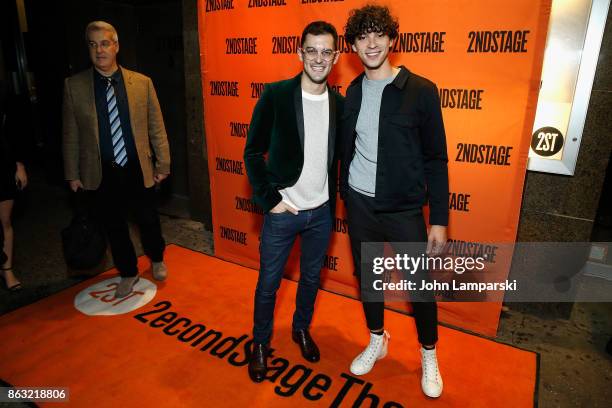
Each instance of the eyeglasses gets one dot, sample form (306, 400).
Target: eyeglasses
(103, 44)
(312, 54)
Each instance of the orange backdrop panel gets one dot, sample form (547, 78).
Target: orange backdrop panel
(507, 83)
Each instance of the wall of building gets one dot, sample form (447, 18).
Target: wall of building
(563, 208)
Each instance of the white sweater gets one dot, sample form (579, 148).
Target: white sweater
(311, 189)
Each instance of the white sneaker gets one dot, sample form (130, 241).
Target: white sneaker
(431, 381)
(377, 349)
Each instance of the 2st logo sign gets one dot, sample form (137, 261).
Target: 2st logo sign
(547, 141)
(99, 299)
(109, 294)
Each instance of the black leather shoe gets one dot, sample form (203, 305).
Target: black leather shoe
(309, 349)
(258, 364)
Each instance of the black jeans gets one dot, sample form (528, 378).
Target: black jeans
(122, 191)
(365, 225)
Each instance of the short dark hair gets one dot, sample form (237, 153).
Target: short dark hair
(370, 19)
(320, 28)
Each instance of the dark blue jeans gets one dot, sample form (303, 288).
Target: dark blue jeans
(277, 237)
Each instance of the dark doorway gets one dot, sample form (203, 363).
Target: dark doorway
(150, 37)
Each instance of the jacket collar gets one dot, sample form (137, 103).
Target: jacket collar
(116, 75)
(297, 83)
(399, 82)
(299, 117)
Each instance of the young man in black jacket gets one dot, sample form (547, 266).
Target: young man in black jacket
(394, 160)
(294, 123)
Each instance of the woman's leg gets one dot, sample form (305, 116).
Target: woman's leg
(6, 208)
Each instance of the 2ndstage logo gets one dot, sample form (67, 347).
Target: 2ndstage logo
(289, 379)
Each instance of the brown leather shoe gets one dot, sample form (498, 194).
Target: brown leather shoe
(258, 364)
(308, 347)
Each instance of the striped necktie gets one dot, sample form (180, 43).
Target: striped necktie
(119, 151)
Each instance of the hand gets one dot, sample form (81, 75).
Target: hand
(158, 178)
(436, 239)
(21, 177)
(75, 185)
(282, 207)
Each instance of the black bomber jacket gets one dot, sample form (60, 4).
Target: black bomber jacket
(412, 159)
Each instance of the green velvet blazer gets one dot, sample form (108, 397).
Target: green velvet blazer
(277, 130)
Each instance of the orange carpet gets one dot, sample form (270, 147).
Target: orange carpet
(184, 345)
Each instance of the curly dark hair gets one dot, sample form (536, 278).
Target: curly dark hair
(368, 19)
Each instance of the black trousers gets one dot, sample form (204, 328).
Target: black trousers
(122, 192)
(366, 225)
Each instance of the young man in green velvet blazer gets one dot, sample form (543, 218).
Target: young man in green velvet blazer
(294, 123)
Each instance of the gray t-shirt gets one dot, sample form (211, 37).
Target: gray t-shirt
(362, 171)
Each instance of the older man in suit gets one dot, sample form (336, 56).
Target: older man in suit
(112, 120)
